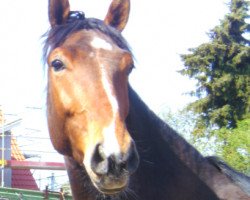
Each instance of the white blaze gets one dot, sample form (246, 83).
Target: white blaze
(110, 145)
(99, 43)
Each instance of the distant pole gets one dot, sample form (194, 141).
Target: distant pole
(2, 165)
(52, 182)
(40, 176)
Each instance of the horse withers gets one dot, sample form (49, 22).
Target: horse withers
(114, 146)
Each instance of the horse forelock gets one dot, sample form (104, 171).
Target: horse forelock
(56, 35)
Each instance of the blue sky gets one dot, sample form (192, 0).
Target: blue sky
(158, 33)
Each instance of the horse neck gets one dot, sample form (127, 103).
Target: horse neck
(143, 123)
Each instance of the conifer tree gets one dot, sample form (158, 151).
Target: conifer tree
(222, 70)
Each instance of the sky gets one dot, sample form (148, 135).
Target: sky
(158, 32)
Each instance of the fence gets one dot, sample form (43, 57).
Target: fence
(18, 194)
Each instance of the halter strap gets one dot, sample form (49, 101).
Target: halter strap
(75, 15)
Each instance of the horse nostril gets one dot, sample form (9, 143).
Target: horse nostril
(99, 162)
(124, 163)
(115, 164)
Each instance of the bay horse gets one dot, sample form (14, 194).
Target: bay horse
(114, 146)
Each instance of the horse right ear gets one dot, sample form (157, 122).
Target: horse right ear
(58, 12)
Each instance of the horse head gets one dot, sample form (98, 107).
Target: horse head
(88, 67)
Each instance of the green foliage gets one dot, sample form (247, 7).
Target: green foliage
(222, 70)
(232, 145)
(235, 145)
(182, 121)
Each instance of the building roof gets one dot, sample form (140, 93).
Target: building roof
(21, 178)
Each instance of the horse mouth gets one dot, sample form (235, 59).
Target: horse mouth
(113, 191)
(111, 187)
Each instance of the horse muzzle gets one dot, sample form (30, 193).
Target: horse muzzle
(112, 172)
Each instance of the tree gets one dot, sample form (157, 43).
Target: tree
(222, 70)
(183, 121)
(234, 145)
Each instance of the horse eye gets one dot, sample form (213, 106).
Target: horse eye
(57, 65)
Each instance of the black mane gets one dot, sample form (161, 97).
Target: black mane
(59, 33)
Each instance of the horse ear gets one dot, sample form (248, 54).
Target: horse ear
(58, 12)
(118, 14)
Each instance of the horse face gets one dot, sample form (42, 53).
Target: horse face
(88, 102)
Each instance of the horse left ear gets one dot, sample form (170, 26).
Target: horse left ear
(58, 12)
(118, 14)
